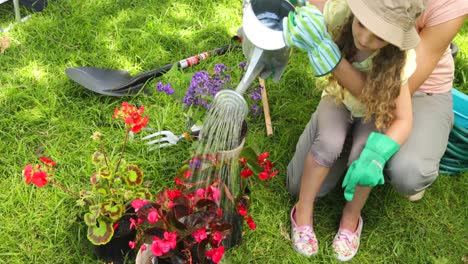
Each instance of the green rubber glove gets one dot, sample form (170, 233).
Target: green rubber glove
(306, 30)
(367, 170)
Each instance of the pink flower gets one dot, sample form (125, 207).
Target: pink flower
(138, 203)
(132, 244)
(170, 205)
(133, 223)
(217, 237)
(171, 238)
(153, 216)
(215, 192)
(142, 247)
(200, 234)
(216, 254)
(160, 247)
(200, 193)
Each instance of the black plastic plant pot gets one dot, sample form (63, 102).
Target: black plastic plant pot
(235, 238)
(118, 249)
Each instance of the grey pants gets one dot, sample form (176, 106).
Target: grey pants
(412, 169)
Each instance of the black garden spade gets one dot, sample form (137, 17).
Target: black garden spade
(119, 83)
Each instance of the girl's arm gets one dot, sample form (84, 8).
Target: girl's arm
(402, 124)
(349, 77)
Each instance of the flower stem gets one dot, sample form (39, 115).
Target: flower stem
(104, 152)
(65, 189)
(123, 149)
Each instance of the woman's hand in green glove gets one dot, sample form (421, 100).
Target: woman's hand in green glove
(367, 170)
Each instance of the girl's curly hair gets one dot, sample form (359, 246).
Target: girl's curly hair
(383, 82)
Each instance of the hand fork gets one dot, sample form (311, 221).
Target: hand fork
(167, 138)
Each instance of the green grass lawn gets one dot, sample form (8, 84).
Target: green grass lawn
(45, 113)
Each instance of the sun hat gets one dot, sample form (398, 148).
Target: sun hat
(391, 20)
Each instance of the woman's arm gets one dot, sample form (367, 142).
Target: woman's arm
(434, 42)
(318, 3)
(402, 124)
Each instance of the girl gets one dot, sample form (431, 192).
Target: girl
(375, 39)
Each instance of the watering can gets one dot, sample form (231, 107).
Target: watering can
(263, 44)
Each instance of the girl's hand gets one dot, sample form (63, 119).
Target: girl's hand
(306, 30)
(367, 170)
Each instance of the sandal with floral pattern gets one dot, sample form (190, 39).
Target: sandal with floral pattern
(303, 237)
(346, 243)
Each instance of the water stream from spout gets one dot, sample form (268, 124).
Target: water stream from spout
(221, 134)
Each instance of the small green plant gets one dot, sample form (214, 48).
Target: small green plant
(114, 185)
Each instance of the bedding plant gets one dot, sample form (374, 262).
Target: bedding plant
(187, 224)
(114, 184)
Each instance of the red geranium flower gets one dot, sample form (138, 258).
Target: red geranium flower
(246, 173)
(250, 222)
(47, 161)
(35, 175)
(241, 209)
(132, 116)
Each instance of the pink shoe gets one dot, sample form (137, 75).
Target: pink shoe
(346, 243)
(303, 237)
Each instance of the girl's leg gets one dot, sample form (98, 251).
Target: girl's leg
(352, 209)
(332, 126)
(347, 240)
(296, 165)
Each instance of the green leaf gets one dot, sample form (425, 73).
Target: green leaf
(112, 210)
(133, 176)
(101, 233)
(252, 160)
(98, 158)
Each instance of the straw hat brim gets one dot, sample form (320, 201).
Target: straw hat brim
(404, 39)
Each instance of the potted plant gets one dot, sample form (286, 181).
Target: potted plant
(113, 186)
(188, 223)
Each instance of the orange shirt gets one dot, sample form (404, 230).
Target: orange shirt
(438, 12)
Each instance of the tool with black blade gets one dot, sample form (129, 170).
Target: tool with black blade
(119, 83)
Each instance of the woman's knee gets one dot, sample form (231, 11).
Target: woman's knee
(410, 174)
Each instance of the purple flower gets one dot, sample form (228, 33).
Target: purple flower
(164, 88)
(256, 94)
(255, 110)
(204, 87)
(242, 65)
